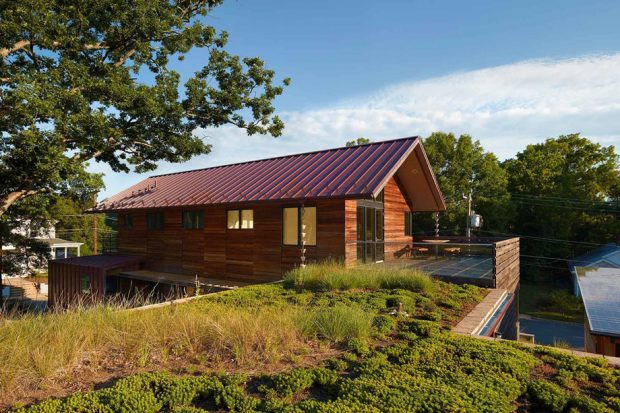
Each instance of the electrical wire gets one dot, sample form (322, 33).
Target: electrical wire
(543, 238)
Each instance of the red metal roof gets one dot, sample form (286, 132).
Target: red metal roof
(348, 172)
(100, 261)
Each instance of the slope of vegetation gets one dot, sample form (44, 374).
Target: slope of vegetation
(316, 343)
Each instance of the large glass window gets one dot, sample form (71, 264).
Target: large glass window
(297, 224)
(240, 219)
(155, 220)
(370, 232)
(193, 219)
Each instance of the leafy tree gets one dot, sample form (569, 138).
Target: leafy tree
(72, 224)
(567, 188)
(357, 142)
(90, 80)
(69, 89)
(462, 166)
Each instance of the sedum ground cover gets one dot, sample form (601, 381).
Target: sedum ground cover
(374, 358)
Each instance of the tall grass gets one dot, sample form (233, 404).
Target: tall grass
(37, 350)
(332, 275)
(336, 324)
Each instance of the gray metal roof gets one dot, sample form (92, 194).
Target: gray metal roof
(600, 290)
(607, 256)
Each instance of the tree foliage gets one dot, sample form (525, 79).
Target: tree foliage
(357, 142)
(567, 188)
(462, 166)
(70, 89)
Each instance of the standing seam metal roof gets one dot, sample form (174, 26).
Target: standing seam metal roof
(357, 171)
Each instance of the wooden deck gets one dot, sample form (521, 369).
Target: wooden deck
(181, 279)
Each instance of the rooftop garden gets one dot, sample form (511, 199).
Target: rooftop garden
(327, 339)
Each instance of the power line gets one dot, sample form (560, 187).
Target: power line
(602, 210)
(557, 198)
(543, 238)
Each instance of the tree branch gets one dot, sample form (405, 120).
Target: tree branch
(123, 59)
(15, 196)
(22, 44)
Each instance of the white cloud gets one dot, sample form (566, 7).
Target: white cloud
(505, 107)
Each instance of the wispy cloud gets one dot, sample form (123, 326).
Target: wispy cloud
(505, 107)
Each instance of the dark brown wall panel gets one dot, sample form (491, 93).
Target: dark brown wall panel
(251, 255)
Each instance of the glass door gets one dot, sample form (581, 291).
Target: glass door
(370, 241)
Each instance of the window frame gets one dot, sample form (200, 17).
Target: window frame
(408, 216)
(239, 226)
(89, 279)
(197, 219)
(299, 224)
(160, 223)
(128, 221)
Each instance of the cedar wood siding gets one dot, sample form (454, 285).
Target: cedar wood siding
(394, 208)
(256, 255)
(250, 255)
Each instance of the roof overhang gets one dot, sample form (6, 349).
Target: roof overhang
(418, 181)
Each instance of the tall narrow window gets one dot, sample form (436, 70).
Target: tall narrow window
(408, 223)
(290, 226)
(155, 220)
(193, 219)
(128, 221)
(233, 219)
(85, 284)
(308, 225)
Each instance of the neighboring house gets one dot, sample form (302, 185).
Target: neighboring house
(600, 291)
(59, 248)
(251, 222)
(606, 256)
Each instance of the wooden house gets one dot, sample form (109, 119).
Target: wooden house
(251, 222)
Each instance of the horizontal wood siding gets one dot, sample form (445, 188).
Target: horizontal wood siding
(250, 255)
(506, 264)
(395, 206)
(350, 232)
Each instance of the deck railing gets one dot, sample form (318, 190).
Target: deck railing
(485, 261)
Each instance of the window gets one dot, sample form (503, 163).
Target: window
(85, 284)
(193, 219)
(409, 223)
(240, 219)
(370, 232)
(247, 219)
(128, 221)
(155, 220)
(299, 224)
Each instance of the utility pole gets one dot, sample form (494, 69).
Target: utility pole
(468, 230)
(95, 225)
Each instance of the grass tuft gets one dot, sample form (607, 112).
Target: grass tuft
(333, 276)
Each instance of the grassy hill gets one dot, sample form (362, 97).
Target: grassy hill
(326, 340)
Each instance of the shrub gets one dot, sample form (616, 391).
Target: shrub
(548, 396)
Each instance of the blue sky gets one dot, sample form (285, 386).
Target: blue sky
(509, 73)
